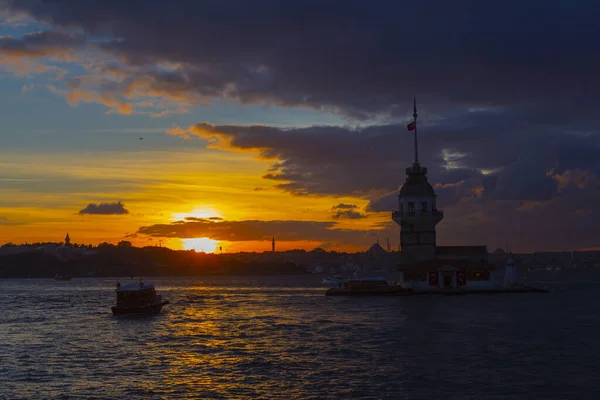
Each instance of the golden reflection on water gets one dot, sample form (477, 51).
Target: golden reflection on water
(220, 331)
(248, 338)
(242, 340)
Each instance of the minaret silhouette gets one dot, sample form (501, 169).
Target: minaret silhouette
(273, 244)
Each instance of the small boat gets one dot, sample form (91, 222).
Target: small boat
(138, 298)
(317, 270)
(58, 277)
(376, 286)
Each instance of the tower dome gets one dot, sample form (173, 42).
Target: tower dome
(416, 184)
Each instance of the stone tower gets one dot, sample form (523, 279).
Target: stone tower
(417, 212)
(67, 240)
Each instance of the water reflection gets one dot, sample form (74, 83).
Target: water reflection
(285, 339)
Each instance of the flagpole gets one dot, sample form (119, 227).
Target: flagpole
(415, 117)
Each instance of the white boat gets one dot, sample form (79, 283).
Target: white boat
(318, 269)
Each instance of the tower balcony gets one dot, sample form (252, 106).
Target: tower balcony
(398, 215)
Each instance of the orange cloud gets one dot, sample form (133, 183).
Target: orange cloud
(149, 85)
(577, 177)
(109, 83)
(24, 67)
(88, 96)
(220, 138)
(178, 131)
(76, 96)
(169, 112)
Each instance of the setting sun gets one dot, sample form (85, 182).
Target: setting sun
(201, 212)
(205, 245)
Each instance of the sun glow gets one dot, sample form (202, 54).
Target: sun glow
(202, 212)
(205, 245)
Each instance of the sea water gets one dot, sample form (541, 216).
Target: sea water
(282, 338)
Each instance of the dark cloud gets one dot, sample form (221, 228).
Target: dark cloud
(567, 221)
(360, 58)
(371, 161)
(346, 211)
(321, 159)
(259, 230)
(41, 44)
(117, 208)
(387, 202)
(348, 214)
(486, 182)
(193, 219)
(343, 206)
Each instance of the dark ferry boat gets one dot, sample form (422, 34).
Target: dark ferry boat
(377, 286)
(137, 298)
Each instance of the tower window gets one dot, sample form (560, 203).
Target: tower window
(401, 209)
(424, 207)
(411, 208)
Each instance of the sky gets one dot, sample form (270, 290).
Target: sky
(224, 123)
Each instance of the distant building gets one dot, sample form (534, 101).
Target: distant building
(376, 251)
(67, 251)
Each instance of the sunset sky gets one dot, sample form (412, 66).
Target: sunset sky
(198, 124)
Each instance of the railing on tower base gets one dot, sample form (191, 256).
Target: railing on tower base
(432, 213)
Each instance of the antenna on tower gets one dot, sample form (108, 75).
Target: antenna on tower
(415, 117)
(273, 245)
(413, 127)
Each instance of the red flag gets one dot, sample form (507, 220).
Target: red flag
(412, 126)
